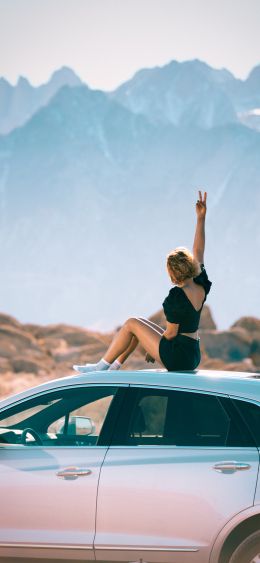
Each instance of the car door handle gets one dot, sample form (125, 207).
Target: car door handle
(73, 472)
(231, 466)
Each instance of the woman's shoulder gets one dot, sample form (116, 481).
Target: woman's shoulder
(202, 279)
(175, 296)
(174, 305)
(174, 290)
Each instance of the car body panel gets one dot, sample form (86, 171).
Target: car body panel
(42, 508)
(39, 518)
(239, 518)
(168, 497)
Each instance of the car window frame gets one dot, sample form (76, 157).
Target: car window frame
(242, 427)
(108, 426)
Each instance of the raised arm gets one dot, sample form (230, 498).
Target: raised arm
(199, 238)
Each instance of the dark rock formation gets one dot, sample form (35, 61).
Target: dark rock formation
(229, 345)
(255, 351)
(23, 364)
(252, 324)
(9, 320)
(206, 319)
(13, 341)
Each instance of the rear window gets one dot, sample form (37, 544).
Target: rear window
(250, 412)
(179, 418)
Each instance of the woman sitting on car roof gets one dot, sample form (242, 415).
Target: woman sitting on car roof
(177, 347)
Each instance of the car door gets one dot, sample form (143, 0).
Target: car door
(51, 450)
(181, 464)
(250, 412)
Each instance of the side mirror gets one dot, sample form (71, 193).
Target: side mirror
(79, 426)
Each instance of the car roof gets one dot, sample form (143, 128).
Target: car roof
(239, 384)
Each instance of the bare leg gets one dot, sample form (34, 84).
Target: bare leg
(134, 342)
(154, 325)
(148, 337)
(132, 346)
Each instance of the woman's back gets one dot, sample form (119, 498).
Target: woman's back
(184, 306)
(195, 294)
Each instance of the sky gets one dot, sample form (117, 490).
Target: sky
(106, 41)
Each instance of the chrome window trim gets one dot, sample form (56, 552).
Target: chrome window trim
(171, 446)
(51, 448)
(138, 446)
(245, 399)
(185, 389)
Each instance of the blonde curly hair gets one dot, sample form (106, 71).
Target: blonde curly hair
(182, 265)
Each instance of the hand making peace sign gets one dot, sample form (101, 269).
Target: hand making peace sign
(201, 206)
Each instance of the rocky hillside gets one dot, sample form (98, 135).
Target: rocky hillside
(30, 354)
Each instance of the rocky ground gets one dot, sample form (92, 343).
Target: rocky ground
(30, 354)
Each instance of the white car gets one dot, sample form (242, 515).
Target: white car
(135, 466)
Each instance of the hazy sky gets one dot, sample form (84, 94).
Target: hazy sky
(106, 41)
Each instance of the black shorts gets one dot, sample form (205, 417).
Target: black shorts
(180, 353)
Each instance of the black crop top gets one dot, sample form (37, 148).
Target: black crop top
(179, 309)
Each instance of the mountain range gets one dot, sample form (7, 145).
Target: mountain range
(18, 103)
(96, 187)
(184, 93)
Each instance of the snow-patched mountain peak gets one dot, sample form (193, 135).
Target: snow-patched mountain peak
(184, 94)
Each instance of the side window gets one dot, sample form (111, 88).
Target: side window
(148, 420)
(196, 419)
(250, 413)
(71, 417)
(178, 418)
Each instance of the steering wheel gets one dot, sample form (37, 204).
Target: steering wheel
(33, 433)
